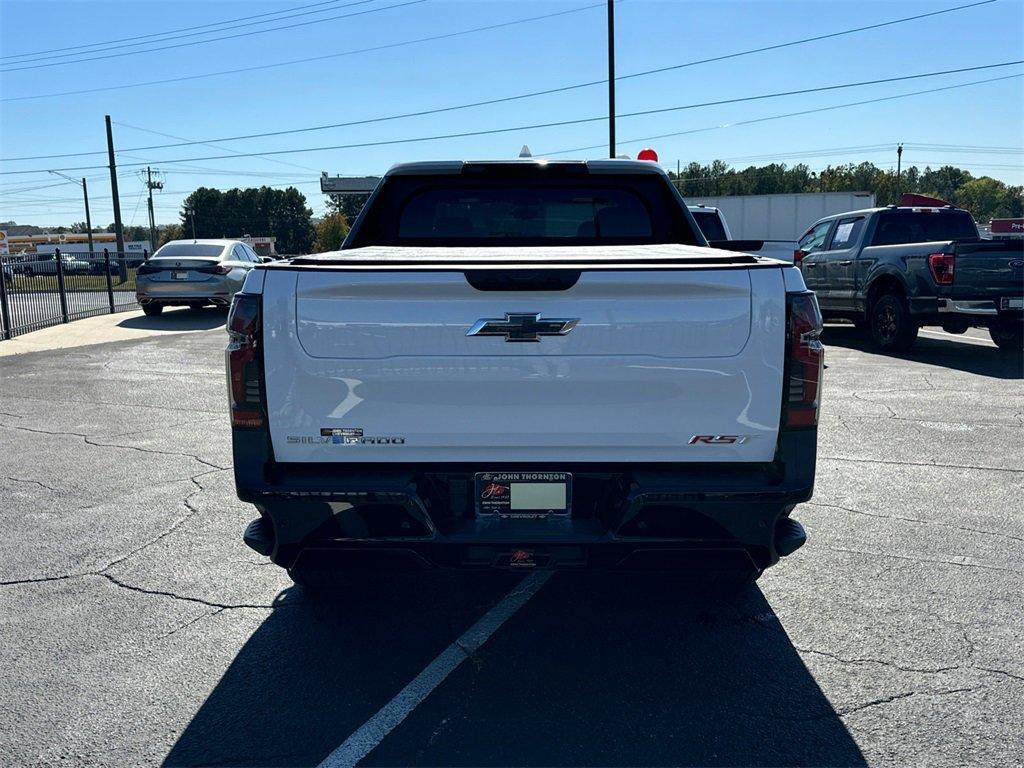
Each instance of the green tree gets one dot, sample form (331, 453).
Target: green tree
(330, 232)
(986, 198)
(350, 205)
(280, 213)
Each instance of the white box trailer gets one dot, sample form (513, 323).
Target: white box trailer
(783, 216)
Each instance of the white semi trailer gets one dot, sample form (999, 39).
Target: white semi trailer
(784, 216)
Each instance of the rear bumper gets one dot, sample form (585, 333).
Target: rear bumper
(980, 311)
(625, 516)
(216, 291)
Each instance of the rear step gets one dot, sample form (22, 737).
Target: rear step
(789, 536)
(259, 535)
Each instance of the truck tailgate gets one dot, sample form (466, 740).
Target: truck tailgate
(365, 365)
(988, 269)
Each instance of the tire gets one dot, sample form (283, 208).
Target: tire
(1009, 337)
(152, 310)
(892, 327)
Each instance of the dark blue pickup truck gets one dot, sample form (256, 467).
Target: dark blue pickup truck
(892, 270)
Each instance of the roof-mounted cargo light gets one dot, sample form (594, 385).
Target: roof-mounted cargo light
(647, 154)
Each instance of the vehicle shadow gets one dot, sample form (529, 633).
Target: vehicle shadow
(944, 352)
(592, 671)
(180, 319)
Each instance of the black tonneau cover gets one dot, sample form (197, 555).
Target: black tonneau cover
(661, 256)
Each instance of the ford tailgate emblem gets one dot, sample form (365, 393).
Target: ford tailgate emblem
(522, 326)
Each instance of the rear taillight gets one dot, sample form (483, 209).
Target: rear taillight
(941, 265)
(806, 357)
(798, 256)
(245, 369)
(221, 269)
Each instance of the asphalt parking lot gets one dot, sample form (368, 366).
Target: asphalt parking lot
(136, 628)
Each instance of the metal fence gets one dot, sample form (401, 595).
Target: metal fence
(43, 289)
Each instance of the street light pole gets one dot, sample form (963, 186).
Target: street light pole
(611, 78)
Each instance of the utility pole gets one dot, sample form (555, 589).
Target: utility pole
(611, 78)
(899, 167)
(85, 196)
(88, 218)
(151, 185)
(116, 200)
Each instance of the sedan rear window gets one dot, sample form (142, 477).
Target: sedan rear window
(189, 250)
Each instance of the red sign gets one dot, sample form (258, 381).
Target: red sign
(1008, 226)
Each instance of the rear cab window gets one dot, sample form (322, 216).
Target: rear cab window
(923, 226)
(524, 209)
(710, 223)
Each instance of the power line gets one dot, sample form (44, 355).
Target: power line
(497, 26)
(553, 124)
(661, 110)
(215, 39)
(323, 57)
(801, 113)
(107, 43)
(208, 144)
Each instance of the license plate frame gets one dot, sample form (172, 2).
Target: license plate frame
(523, 495)
(179, 275)
(1012, 302)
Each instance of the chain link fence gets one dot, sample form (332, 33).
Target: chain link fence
(43, 289)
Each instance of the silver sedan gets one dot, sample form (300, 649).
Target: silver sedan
(193, 273)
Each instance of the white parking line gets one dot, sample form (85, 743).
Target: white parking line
(958, 337)
(372, 732)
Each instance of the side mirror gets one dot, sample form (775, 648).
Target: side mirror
(265, 259)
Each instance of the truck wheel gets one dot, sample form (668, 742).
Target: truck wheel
(892, 328)
(152, 310)
(1009, 337)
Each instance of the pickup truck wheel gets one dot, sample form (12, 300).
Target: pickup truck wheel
(892, 328)
(152, 310)
(1009, 337)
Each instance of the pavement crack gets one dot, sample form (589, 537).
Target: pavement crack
(31, 482)
(186, 598)
(933, 465)
(935, 561)
(896, 697)
(93, 442)
(881, 662)
(914, 520)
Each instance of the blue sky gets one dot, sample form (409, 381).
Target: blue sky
(554, 52)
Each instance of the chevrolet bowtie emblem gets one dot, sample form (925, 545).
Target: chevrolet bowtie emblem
(525, 326)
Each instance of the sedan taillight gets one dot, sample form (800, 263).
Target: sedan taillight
(245, 364)
(805, 362)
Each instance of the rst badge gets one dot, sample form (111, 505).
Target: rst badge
(718, 440)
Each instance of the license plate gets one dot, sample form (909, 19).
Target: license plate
(1012, 302)
(179, 275)
(523, 494)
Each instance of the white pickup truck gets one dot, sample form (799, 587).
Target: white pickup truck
(524, 364)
